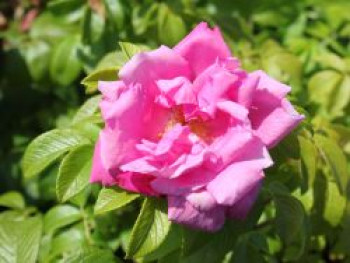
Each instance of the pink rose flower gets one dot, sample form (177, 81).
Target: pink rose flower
(190, 125)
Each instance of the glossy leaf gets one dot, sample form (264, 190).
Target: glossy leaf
(113, 198)
(74, 172)
(47, 148)
(107, 74)
(150, 230)
(60, 216)
(19, 240)
(87, 109)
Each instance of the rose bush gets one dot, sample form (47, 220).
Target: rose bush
(189, 124)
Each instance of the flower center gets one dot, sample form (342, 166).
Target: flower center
(197, 126)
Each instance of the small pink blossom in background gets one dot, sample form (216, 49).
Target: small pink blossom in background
(190, 125)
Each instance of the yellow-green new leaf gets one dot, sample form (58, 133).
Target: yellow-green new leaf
(335, 159)
(308, 154)
(107, 74)
(129, 49)
(12, 199)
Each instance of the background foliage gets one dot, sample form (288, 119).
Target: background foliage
(49, 212)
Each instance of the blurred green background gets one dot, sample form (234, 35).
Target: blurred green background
(48, 46)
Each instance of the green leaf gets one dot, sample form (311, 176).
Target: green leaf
(65, 65)
(47, 148)
(129, 49)
(150, 230)
(113, 59)
(87, 110)
(19, 240)
(92, 26)
(74, 172)
(116, 12)
(331, 60)
(308, 158)
(92, 255)
(69, 241)
(334, 206)
(330, 89)
(37, 56)
(113, 198)
(171, 27)
(205, 247)
(51, 28)
(170, 244)
(249, 248)
(89, 128)
(60, 216)
(289, 216)
(334, 157)
(12, 199)
(106, 74)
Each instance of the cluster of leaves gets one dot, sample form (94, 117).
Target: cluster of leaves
(50, 212)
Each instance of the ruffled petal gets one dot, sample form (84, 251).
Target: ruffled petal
(135, 182)
(184, 212)
(177, 91)
(271, 115)
(202, 47)
(242, 207)
(148, 67)
(98, 172)
(236, 181)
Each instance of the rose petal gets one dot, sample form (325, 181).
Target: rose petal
(242, 207)
(202, 47)
(98, 173)
(148, 67)
(135, 182)
(182, 211)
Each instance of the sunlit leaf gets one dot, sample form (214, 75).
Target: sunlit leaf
(12, 199)
(113, 198)
(150, 230)
(74, 172)
(46, 148)
(60, 216)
